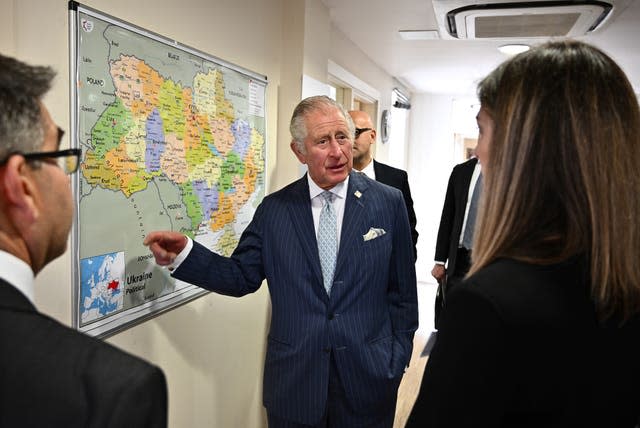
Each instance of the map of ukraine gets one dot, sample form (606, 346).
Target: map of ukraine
(157, 127)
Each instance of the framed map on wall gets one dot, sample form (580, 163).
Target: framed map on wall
(172, 139)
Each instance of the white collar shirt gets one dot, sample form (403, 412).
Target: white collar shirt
(369, 171)
(472, 185)
(17, 273)
(340, 195)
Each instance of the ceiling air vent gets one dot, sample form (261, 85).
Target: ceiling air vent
(525, 19)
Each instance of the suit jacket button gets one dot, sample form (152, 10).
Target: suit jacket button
(326, 350)
(331, 316)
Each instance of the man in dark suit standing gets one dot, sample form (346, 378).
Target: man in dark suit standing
(455, 234)
(335, 249)
(363, 161)
(51, 375)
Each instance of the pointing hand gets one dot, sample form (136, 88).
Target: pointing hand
(165, 245)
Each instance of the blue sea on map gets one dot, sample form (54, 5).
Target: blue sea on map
(102, 281)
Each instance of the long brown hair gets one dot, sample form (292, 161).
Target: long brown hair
(562, 178)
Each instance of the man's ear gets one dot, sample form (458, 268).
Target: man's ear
(296, 150)
(19, 189)
(373, 133)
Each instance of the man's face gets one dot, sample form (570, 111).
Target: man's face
(327, 146)
(56, 214)
(362, 143)
(485, 136)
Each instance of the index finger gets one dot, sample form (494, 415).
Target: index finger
(152, 237)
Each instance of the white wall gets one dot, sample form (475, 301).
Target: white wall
(347, 55)
(7, 44)
(432, 156)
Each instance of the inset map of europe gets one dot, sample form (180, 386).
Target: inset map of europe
(171, 140)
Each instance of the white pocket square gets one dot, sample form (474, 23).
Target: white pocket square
(373, 233)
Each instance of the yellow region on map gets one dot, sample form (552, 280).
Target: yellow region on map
(188, 134)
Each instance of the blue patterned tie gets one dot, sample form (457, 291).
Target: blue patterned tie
(327, 241)
(467, 238)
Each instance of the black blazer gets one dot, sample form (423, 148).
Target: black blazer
(520, 346)
(398, 178)
(54, 376)
(455, 203)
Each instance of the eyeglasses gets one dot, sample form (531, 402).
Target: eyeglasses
(68, 160)
(361, 130)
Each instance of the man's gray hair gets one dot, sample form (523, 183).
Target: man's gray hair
(298, 127)
(22, 86)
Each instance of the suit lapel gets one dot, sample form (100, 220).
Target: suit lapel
(384, 174)
(302, 220)
(354, 210)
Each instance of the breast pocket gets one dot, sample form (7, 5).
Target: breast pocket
(377, 248)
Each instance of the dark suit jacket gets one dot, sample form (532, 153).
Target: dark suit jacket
(455, 203)
(398, 178)
(368, 322)
(53, 376)
(519, 346)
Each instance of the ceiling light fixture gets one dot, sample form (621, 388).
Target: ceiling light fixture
(514, 48)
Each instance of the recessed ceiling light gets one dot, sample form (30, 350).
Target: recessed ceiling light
(419, 34)
(513, 49)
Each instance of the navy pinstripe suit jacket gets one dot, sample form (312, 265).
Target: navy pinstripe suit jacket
(369, 320)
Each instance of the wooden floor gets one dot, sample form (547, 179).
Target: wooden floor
(410, 384)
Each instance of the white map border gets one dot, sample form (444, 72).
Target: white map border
(184, 292)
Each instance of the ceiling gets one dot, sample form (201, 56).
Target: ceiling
(452, 66)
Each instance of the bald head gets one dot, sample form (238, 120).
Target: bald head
(365, 137)
(361, 119)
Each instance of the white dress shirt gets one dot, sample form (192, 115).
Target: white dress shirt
(472, 186)
(369, 171)
(17, 273)
(339, 192)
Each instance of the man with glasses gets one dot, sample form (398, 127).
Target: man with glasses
(51, 375)
(363, 161)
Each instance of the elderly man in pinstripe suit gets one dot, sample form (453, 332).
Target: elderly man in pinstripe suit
(338, 346)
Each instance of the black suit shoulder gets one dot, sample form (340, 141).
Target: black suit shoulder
(520, 345)
(390, 175)
(461, 178)
(468, 165)
(55, 376)
(378, 185)
(559, 293)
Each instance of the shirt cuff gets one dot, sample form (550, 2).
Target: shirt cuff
(439, 263)
(181, 256)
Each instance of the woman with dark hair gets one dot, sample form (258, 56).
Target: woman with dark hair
(545, 330)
